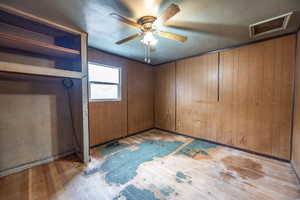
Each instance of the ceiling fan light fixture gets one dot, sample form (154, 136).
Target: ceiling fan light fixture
(149, 39)
(147, 25)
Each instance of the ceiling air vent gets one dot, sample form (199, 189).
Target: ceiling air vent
(270, 25)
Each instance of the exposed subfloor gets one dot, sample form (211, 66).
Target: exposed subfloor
(157, 165)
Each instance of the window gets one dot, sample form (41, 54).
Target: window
(104, 83)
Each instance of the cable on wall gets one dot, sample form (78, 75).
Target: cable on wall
(68, 84)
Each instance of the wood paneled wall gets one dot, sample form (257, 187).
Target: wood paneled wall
(140, 98)
(108, 119)
(256, 96)
(197, 95)
(296, 129)
(165, 90)
(114, 119)
(240, 97)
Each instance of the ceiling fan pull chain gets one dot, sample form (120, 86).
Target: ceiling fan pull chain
(149, 53)
(145, 51)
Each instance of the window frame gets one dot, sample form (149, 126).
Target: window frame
(106, 83)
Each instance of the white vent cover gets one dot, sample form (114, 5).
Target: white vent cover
(270, 25)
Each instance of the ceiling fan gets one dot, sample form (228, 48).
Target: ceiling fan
(147, 26)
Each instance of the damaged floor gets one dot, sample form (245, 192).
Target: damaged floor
(157, 165)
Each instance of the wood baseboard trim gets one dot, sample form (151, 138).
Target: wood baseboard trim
(22, 167)
(226, 145)
(295, 171)
(132, 134)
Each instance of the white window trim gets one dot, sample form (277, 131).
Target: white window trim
(107, 83)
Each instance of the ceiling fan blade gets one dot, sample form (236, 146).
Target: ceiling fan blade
(172, 36)
(125, 20)
(129, 38)
(172, 10)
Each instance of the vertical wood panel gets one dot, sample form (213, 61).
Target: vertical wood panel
(255, 136)
(165, 96)
(267, 96)
(225, 131)
(140, 97)
(296, 125)
(242, 96)
(277, 98)
(288, 52)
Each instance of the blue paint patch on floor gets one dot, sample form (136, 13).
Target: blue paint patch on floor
(178, 180)
(181, 175)
(131, 192)
(197, 145)
(167, 191)
(204, 153)
(121, 167)
(105, 150)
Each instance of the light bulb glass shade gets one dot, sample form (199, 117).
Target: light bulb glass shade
(149, 39)
(149, 3)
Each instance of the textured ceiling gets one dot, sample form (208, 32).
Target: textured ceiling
(209, 24)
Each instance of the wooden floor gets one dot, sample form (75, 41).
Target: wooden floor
(156, 165)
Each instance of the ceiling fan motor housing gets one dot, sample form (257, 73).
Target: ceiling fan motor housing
(147, 22)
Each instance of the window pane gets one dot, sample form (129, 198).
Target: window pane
(103, 74)
(103, 91)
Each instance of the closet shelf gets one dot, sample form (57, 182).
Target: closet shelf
(34, 46)
(35, 70)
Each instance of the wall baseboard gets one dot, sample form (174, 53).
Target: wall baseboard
(294, 169)
(226, 145)
(22, 167)
(116, 139)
